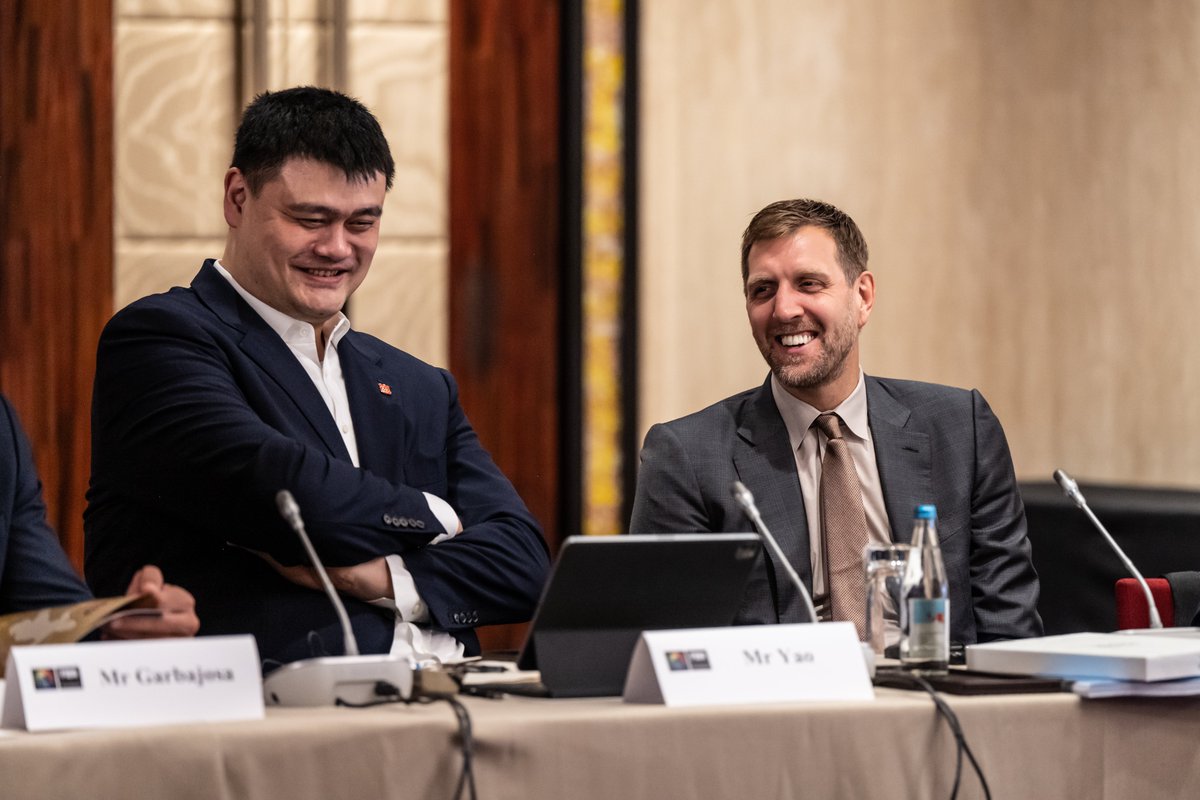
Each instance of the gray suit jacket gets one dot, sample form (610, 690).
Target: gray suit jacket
(933, 444)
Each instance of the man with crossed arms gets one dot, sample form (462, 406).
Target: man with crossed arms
(211, 399)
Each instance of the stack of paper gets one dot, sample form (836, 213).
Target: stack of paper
(1096, 689)
(1091, 655)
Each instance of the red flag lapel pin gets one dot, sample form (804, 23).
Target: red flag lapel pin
(385, 389)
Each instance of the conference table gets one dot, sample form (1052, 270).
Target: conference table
(896, 746)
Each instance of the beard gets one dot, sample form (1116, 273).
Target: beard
(836, 343)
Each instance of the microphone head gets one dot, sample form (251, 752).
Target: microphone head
(741, 495)
(286, 504)
(1069, 486)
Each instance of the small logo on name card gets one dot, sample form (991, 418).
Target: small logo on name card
(57, 678)
(69, 678)
(679, 660)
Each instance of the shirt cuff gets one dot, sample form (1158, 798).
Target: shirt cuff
(405, 601)
(446, 516)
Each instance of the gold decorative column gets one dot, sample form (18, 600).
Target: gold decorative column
(603, 263)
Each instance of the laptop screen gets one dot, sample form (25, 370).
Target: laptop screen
(603, 591)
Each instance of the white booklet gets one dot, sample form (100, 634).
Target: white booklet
(1091, 655)
(1098, 688)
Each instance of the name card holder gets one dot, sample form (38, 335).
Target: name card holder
(749, 664)
(122, 684)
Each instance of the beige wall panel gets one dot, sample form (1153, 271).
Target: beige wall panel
(400, 10)
(403, 300)
(299, 55)
(209, 9)
(155, 266)
(175, 119)
(399, 72)
(1027, 176)
(296, 9)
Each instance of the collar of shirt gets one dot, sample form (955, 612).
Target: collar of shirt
(799, 416)
(325, 373)
(295, 333)
(807, 448)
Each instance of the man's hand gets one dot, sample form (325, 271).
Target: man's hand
(177, 605)
(368, 581)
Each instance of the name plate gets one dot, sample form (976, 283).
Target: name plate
(748, 664)
(122, 684)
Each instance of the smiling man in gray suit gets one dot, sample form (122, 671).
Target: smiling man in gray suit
(808, 295)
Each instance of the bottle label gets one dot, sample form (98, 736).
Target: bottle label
(929, 629)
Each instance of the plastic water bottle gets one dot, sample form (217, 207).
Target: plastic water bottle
(925, 610)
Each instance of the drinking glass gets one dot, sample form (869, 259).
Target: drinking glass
(883, 568)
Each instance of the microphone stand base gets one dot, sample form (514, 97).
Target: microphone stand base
(351, 679)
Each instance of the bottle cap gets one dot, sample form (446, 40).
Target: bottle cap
(926, 512)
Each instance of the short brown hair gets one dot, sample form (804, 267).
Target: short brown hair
(785, 217)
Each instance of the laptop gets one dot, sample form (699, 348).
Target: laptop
(604, 591)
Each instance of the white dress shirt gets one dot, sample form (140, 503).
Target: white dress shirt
(422, 643)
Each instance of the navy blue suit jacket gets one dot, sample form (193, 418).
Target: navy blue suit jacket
(34, 571)
(201, 414)
(933, 444)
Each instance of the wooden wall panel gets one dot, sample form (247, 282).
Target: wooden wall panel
(56, 192)
(505, 241)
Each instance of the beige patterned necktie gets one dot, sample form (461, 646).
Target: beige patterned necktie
(843, 526)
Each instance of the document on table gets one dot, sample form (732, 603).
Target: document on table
(66, 624)
(1096, 689)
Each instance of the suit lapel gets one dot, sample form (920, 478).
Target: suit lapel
(264, 347)
(764, 462)
(375, 406)
(903, 457)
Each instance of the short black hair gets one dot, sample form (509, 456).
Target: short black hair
(313, 123)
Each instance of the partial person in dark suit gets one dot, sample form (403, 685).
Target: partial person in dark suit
(211, 399)
(808, 295)
(34, 571)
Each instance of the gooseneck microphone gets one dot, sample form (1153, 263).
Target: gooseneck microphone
(1071, 490)
(350, 679)
(290, 511)
(745, 499)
